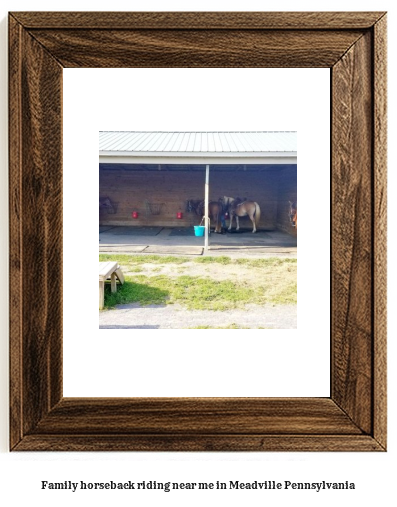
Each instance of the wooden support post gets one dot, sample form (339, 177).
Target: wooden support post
(113, 279)
(206, 194)
(120, 275)
(101, 294)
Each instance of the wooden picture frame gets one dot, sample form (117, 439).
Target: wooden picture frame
(353, 46)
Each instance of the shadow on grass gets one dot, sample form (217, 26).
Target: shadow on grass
(131, 292)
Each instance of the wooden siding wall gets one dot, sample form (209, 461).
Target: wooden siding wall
(128, 190)
(287, 191)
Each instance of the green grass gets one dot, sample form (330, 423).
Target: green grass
(274, 282)
(136, 269)
(219, 260)
(134, 260)
(265, 261)
(206, 294)
(132, 292)
(196, 293)
(143, 259)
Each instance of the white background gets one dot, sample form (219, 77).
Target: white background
(122, 362)
(20, 474)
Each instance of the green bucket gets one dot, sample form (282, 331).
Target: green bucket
(199, 230)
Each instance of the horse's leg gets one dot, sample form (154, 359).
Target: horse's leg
(217, 229)
(231, 220)
(238, 223)
(252, 217)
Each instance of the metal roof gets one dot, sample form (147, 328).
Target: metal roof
(198, 147)
(197, 142)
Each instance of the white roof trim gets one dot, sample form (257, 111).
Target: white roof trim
(218, 158)
(197, 154)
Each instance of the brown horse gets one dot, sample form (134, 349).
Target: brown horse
(106, 204)
(237, 208)
(215, 210)
(293, 214)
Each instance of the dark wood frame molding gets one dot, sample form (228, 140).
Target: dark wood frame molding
(353, 46)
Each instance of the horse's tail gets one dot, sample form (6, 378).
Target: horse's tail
(257, 213)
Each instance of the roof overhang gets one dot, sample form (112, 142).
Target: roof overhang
(274, 158)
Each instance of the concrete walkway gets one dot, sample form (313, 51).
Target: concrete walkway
(174, 241)
(176, 317)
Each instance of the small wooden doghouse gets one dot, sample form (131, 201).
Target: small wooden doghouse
(149, 176)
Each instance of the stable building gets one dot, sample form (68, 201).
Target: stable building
(149, 176)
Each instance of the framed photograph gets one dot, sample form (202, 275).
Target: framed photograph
(353, 46)
(176, 196)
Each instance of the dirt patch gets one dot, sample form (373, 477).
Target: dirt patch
(214, 270)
